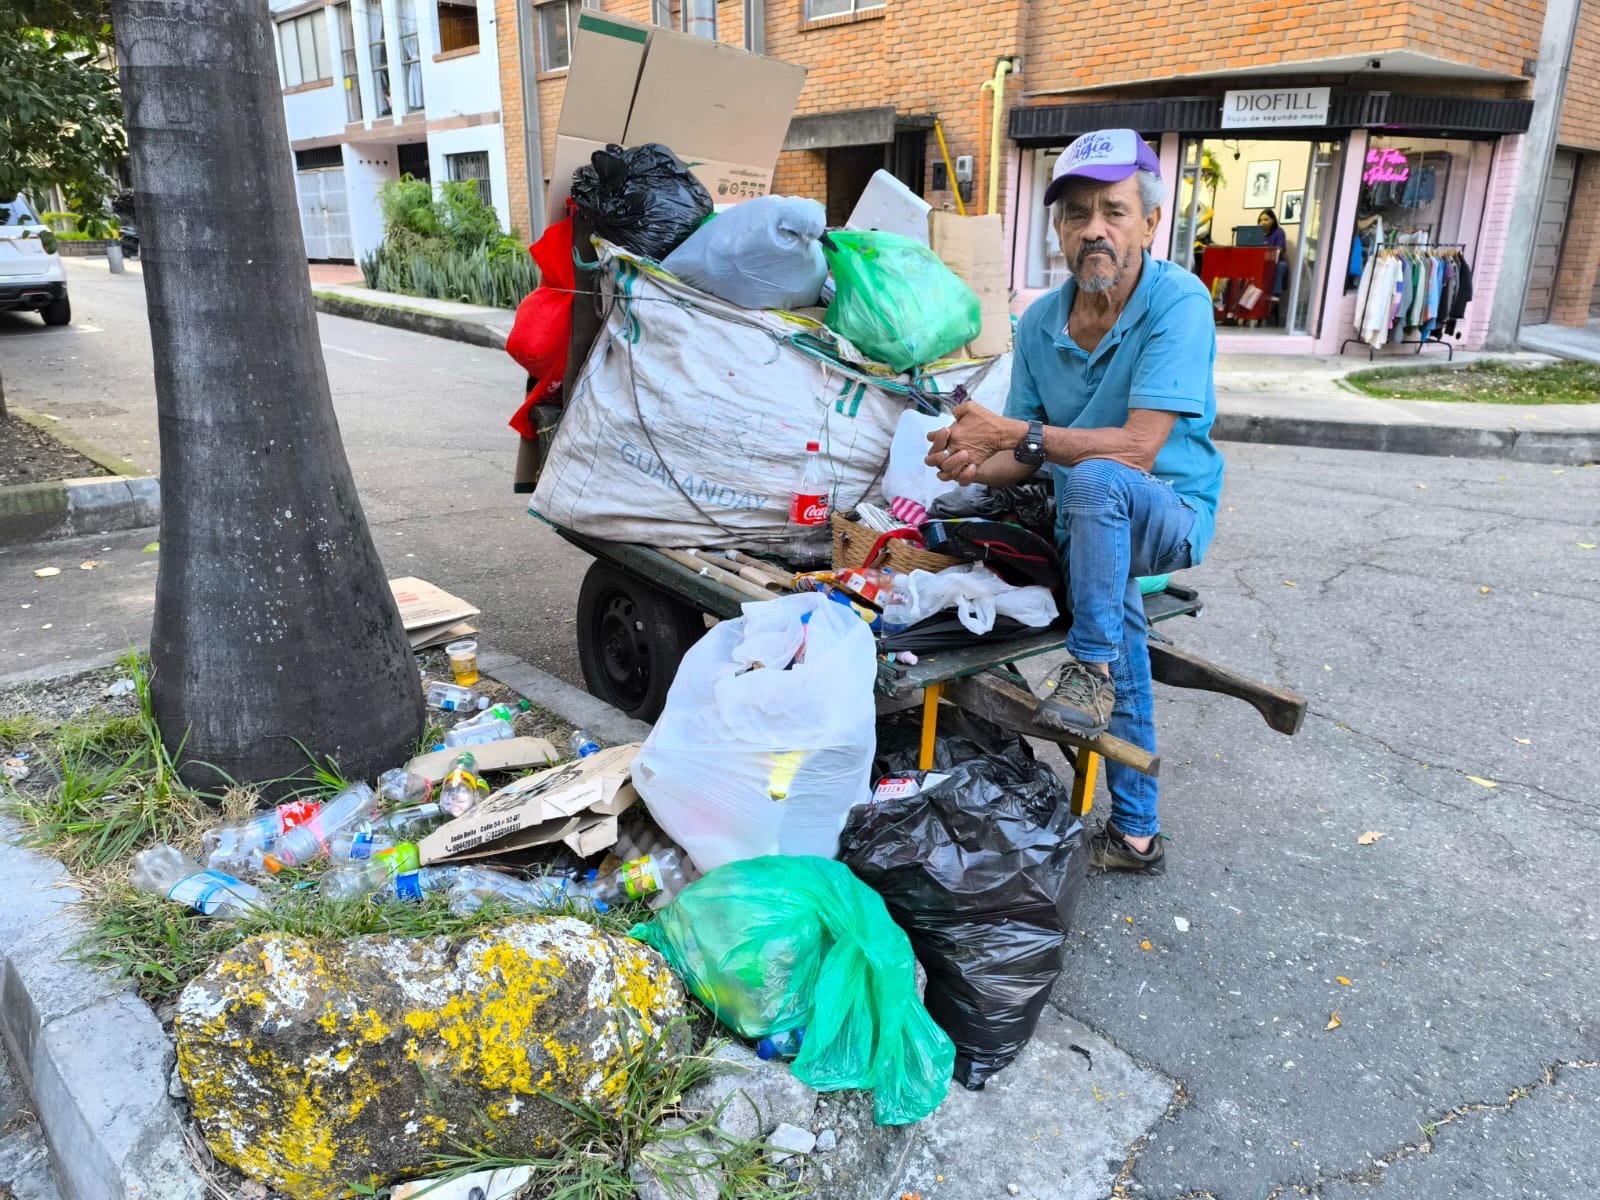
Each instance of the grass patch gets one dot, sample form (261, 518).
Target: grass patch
(596, 1160)
(1489, 381)
(17, 729)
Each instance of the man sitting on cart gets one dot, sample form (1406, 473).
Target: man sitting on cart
(1112, 386)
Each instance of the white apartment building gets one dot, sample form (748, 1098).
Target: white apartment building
(374, 89)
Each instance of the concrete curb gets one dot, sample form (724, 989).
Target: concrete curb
(93, 1055)
(411, 320)
(1549, 446)
(33, 512)
(126, 498)
(573, 705)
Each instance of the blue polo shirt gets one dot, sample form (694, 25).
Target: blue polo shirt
(1158, 355)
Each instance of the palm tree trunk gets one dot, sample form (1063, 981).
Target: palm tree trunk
(274, 626)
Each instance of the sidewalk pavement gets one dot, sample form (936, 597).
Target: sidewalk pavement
(471, 323)
(1581, 342)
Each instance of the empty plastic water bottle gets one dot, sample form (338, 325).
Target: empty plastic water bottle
(414, 885)
(496, 712)
(352, 808)
(240, 847)
(354, 879)
(642, 878)
(461, 789)
(453, 698)
(408, 824)
(781, 1045)
(479, 734)
(363, 842)
(582, 744)
(474, 886)
(401, 786)
(896, 605)
(167, 871)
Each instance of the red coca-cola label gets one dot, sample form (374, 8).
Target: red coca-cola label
(297, 812)
(808, 510)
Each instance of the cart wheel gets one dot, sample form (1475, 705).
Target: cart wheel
(631, 638)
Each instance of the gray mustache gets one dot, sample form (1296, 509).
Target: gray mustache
(1089, 249)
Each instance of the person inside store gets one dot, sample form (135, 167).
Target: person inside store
(1267, 221)
(1112, 388)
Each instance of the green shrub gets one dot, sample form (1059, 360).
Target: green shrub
(449, 247)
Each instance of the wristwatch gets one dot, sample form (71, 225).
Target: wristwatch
(1030, 452)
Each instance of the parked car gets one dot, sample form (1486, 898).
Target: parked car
(31, 274)
(128, 223)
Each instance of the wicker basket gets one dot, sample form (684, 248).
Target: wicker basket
(852, 541)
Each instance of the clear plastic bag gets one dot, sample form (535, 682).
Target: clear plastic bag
(895, 300)
(759, 254)
(748, 760)
(774, 944)
(978, 595)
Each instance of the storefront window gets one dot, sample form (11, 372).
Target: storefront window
(1249, 221)
(1413, 192)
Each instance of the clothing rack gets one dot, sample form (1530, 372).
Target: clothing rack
(1392, 247)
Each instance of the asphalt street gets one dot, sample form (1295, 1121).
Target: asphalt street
(1403, 1016)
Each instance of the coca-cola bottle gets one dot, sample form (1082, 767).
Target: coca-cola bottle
(808, 509)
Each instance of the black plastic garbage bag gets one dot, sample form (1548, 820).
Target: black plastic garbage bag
(642, 199)
(983, 871)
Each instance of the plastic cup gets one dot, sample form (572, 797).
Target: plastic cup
(463, 662)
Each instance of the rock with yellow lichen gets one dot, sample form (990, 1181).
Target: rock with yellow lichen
(314, 1065)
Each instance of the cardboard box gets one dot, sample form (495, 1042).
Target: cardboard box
(722, 110)
(575, 802)
(508, 755)
(422, 605)
(974, 248)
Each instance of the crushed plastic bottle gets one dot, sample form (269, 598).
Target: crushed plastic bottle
(352, 880)
(781, 1045)
(453, 698)
(474, 886)
(414, 885)
(496, 712)
(462, 789)
(479, 734)
(356, 845)
(408, 824)
(352, 808)
(401, 786)
(641, 878)
(582, 744)
(240, 847)
(167, 871)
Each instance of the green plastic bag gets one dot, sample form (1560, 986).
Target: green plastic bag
(773, 944)
(895, 300)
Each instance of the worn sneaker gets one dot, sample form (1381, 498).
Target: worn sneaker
(1077, 700)
(1109, 851)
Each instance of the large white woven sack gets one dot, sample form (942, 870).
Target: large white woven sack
(689, 423)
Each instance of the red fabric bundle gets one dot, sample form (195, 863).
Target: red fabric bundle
(543, 326)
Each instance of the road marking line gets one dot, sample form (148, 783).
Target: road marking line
(354, 353)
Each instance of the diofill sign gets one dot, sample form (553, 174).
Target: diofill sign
(1265, 108)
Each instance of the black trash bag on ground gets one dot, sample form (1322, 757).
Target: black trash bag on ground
(642, 199)
(983, 871)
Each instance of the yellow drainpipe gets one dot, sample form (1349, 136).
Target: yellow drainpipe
(997, 85)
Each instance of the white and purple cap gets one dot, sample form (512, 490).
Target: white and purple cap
(1105, 156)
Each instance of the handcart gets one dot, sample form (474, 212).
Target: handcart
(641, 608)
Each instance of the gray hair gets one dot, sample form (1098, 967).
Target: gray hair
(1151, 194)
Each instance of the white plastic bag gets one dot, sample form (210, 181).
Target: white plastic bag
(759, 254)
(908, 476)
(978, 595)
(748, 762)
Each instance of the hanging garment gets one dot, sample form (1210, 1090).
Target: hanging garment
(1421, 276)
(1364, 292)
(1458, 308)
(1376, 312)
(1356, 253)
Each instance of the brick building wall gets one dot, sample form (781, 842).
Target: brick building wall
(1580, 113)
(1138, 40)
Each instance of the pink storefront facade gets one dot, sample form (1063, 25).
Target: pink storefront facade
(1425, 172)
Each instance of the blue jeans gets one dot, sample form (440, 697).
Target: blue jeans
(1117, 523)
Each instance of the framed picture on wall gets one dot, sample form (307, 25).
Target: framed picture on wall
(1261, 183)
(1290, 205)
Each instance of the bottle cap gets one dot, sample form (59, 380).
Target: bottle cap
(813, 447)
(524, 705)
(483, 703)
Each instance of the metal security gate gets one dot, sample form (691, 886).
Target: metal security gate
(324, 213)
(1547, 241)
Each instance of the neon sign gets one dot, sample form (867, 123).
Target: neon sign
(1386, 166)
